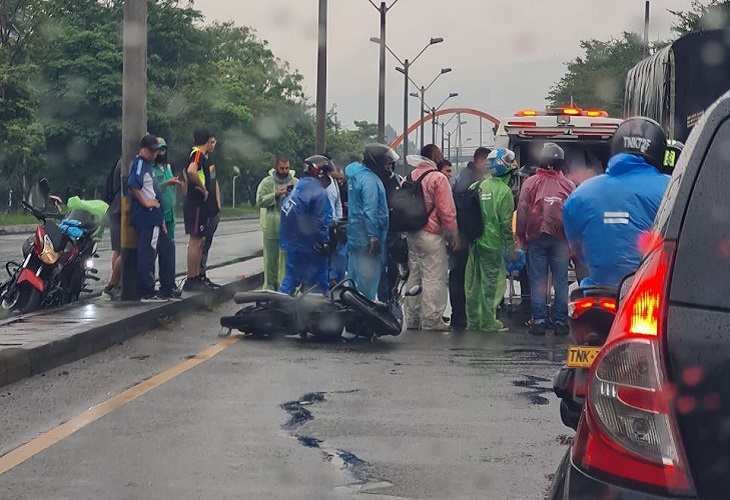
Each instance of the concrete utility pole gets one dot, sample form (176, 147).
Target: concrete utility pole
(647, 14)
(134, 127)
(383, 10)
(322, 79)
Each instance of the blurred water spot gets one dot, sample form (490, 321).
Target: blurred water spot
(713, 54)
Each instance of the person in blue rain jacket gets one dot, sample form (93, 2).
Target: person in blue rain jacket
(606, 218)
(368, 217)
(306, 217)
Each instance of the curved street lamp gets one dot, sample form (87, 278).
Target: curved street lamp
(406, 65)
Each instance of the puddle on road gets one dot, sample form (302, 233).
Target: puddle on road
(535, 395)
(355, 469)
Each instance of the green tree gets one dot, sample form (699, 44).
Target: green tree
(597, 79)
(701, 16)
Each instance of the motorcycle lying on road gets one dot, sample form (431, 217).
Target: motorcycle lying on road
(57, 259)
(342, 309)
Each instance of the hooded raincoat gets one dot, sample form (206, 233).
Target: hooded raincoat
(306, 216)
(607, 215)
(367, 220)
(486, 269)
(270, 207)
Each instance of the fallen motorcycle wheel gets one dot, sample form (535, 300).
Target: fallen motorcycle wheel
(25, 299)
(387, 324)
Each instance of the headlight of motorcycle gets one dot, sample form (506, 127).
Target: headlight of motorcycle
(48, 255)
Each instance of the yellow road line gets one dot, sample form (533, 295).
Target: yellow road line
(53, 436)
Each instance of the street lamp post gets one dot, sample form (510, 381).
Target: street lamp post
(406, 65)
(383, 10)
(433, 117)
(322, 78)
(422, 95)
(236, 175)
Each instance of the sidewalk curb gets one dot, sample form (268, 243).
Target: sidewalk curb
(19, 363)
(30, 228)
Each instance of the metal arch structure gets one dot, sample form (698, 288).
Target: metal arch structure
(449, 111)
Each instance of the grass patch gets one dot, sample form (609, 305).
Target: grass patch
(16, 219)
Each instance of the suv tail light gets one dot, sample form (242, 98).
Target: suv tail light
(629, 434)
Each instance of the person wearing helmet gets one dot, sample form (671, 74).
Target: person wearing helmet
(606, 216)
(486, 269)
(540, 231)
(368, 217)
(168, 183)
(270, 194)
(306, 217)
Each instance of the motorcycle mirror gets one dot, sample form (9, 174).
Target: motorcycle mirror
(413, 291)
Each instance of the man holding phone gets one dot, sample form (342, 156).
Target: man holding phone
(270, 195)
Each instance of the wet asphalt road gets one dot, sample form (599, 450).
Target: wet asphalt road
(422, 416)
(233, 239)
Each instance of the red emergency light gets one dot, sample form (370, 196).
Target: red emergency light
(596, 113)
(572, 111)
(526, 112)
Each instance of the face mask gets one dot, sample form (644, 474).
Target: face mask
(161, 159)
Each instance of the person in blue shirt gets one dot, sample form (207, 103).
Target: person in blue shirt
(148, 221)
(606, 217)
(368, 217)
(306, 217)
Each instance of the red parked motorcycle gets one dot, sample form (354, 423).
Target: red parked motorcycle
(57, 259)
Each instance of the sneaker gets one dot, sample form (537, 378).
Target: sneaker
(114, 292)
(504, 329)
(154, 298)
(171, 295)
(440, 327)
(195, 285)
(209, 283)
(561, 330)
(537, 329)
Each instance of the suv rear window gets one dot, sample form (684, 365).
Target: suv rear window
(702, 269)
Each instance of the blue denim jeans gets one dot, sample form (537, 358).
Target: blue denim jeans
(545, 252)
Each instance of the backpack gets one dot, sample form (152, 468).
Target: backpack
(109, 190)
(469, 213)
(408, 211)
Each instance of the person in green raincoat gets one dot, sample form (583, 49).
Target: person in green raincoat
(272, 191)
(486, 270)
(168, 184)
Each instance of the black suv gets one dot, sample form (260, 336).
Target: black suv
(656, 423)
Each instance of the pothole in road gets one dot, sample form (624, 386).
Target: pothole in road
(535, 394)
(355, 469)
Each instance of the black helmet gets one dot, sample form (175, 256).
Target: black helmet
(377, 156)
(643, 137)
(318, 165)
(552, 156)
(671, 156)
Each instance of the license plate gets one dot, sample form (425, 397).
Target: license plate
(581, 356)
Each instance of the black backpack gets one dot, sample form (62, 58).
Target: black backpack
(113, 185)
(469, 213)
(408, 211)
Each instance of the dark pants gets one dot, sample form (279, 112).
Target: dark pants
(153, 244)
(457, 294)
(548, 252)
(210, 230)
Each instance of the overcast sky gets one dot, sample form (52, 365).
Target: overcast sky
(505, 54)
